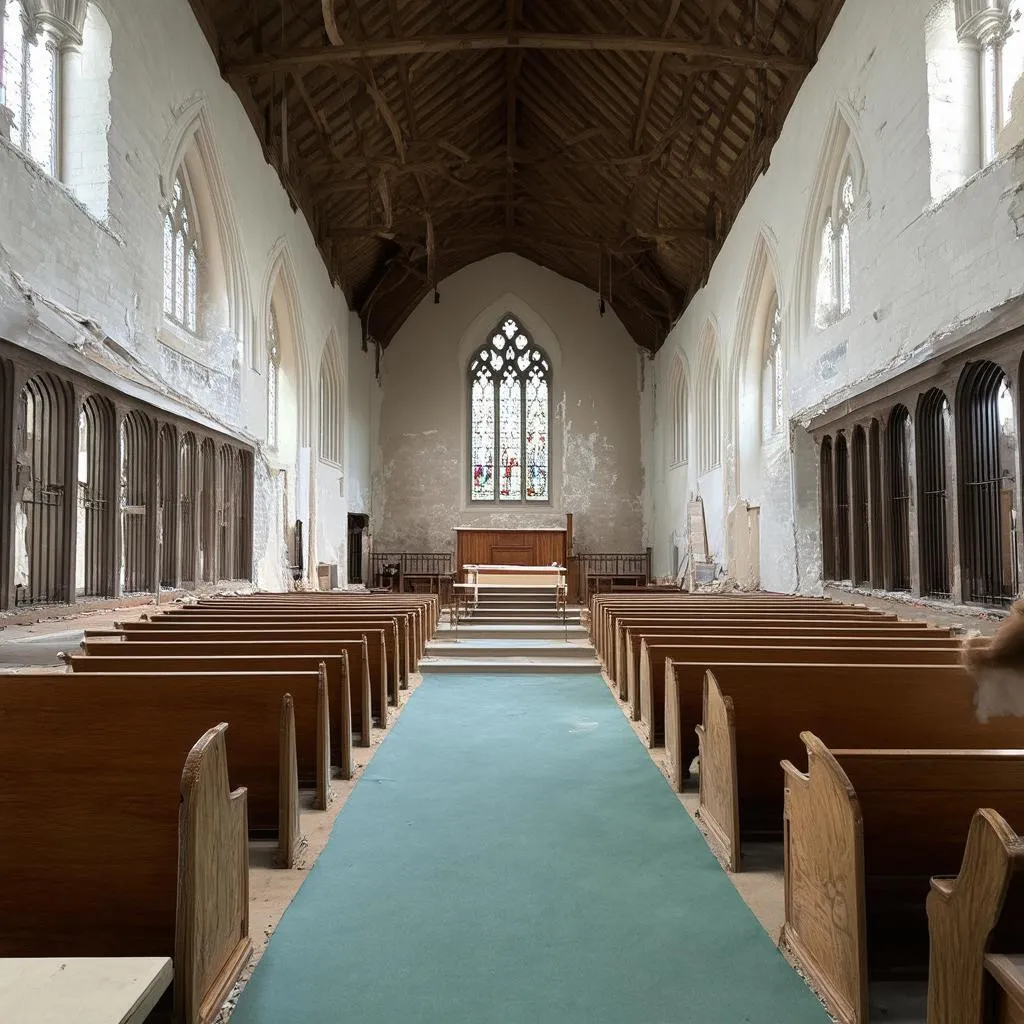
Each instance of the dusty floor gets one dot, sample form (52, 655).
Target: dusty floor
(760, 885)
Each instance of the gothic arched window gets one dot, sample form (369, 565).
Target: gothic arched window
(509, 413)
(833, 298)
(773, 379)
(273, 378)
(181, 259)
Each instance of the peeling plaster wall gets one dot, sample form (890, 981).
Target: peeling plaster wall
(111, 271)
(363, 397)
(918, 271)
(421, 471)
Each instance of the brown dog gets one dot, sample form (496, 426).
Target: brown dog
(997, 666)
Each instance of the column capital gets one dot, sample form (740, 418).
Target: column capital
(64, 19)
(985, 22)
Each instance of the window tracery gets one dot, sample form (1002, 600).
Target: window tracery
(273, 378)
(772, 400)
(833, 299)
(181, 259)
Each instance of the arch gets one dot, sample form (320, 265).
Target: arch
(898, 442)
(188, 509)
(97, 469)
(136, 502)
(227, 512)
(860, 568)
(679, 411)
(934, 455)
(709, 401)
(508, 391)
(243, 490)
(207, 570)
(840, 153)
(842, 474)
(168, 468)
(986, 442)
(190, 145)
(43, 442)
(828, 509)
(332, 403)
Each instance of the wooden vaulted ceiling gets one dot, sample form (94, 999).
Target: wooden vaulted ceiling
(612, 141)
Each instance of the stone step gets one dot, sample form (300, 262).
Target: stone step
(481, 666)
(537, 619)
(490, 649)
(519, 613)
(504, 631)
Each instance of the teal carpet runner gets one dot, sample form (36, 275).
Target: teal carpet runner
(512, 855)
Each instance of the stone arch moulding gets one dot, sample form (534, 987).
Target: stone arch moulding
(762, 279)
(708, 408)
(192, 132)
(840, 144)
(542, 334)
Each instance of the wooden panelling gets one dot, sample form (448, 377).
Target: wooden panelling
(509, 547)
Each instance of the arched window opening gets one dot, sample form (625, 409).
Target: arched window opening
(773, 383)
(135, 503)
(188, 485)
(710, 419)
(30, 69)
(509, 413)
(842, 507)
(861, 568)
(43, 435)
(875, 483)
(207, 512)
(227, 512)
(94, 571)
(680, 413)
(987, 455)
(273, 379)
(167, 505)
(898, 451)
(332, 409)
(833, 298)
(828, 511)
(243, 469)
(181, 258)
(934, 455)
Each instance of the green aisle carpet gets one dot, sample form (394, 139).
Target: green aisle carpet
(513, 855)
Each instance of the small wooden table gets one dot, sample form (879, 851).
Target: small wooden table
(85, 990)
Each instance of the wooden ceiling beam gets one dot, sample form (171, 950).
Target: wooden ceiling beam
(468, 42)
(653, 70)
(331, 23)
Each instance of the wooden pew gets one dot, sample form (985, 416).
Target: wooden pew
(672, 698)
(115, 848)
(401, 658)
(376, 650)
(754, 713)
(201, 645)
(123, 658)
(640, 666)
(387, 627)
(279, 721)
(864, 831)
(976, 927)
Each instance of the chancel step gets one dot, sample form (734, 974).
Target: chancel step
(507, 631)
(482, 665)
(516, 648)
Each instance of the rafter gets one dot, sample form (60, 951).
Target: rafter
(331, 23)
(653, 70)
(469, 42)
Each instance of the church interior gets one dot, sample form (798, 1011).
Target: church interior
(509, 511)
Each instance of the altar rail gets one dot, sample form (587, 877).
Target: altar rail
(597, 571)
(414, 571)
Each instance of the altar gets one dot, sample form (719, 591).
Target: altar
(548, 576)
(539, 546)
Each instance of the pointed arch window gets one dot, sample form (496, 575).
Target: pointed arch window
(833, 299)
(181, 258)
(509, 417)
(772, 388)
(680, 414)
(273, 378)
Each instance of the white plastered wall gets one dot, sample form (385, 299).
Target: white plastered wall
(919, 271)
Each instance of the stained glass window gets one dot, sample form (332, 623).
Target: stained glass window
(509, 411)
(273, 381)
(181, 259)
(29, 74)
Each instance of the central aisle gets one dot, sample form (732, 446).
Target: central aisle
(513, 855)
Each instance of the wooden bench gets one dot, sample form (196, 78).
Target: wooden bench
(753, 715)
(864, 832)
(279, 727)
(123, 658)
(976, 928)
(235, 634)
(128, 841)
(292, 627)
(402, 659)
(636, 636)
(201, 645)
(672, 698)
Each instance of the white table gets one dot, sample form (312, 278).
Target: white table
(81, 990)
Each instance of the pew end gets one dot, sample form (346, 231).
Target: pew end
(212, 943)
(289, 837)
(718, 809)
(976, 913)
(825, 913)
